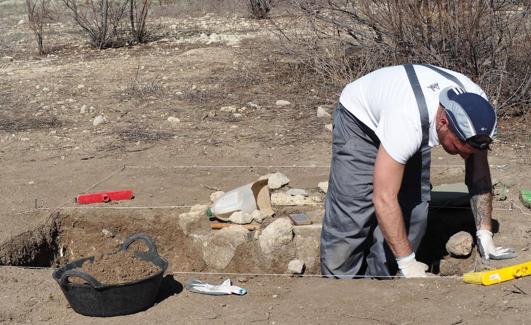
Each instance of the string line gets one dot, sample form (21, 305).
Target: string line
(268, 166)
(349, 276)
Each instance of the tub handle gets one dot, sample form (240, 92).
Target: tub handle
(152, 249)
(73, 273)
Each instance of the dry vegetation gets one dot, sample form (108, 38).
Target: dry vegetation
(331, 42)
(260, 9)
(486, 40)
(39, 13)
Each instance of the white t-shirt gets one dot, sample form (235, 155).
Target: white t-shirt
(384, 101)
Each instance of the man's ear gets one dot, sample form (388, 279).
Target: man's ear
(442, 119)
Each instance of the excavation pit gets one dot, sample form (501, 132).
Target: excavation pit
(70, 234)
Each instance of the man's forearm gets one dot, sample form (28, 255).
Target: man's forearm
(391, 223)
(481, 205)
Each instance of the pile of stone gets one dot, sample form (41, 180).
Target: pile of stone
(279, 239)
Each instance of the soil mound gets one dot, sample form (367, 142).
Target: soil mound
(121, 267)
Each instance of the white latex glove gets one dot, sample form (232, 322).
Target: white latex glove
(225, 288)
(410, 267)
(487, 250)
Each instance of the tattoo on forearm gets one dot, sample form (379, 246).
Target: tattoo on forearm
(481, 205)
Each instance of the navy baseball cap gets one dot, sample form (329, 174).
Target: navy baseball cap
(470, 116)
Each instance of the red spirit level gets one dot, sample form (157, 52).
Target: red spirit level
(102, 197)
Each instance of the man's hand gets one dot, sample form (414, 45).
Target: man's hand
(489, 251)
(410, 267)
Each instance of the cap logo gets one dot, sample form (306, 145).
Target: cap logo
(458, 90)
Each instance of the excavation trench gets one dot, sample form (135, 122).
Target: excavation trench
(71, 234)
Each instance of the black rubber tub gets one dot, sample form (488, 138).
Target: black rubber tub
(96, 299)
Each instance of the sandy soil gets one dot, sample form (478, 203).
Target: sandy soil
(50, 152)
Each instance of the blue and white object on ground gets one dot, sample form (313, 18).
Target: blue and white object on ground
(225, 288)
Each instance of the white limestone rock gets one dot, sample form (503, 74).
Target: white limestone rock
(307, 242)
(277, 180)
(100, 119)
(187, 219)
(241, 218)
(295, 267)
(229, 109)
(282, 103)
(323, 186)
(297, 191)
(220, 246)
(282, 198)
(258, 216)
(254, 105)
(174, 120)
(277, 234)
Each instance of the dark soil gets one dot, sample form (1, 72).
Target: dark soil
(121, 267)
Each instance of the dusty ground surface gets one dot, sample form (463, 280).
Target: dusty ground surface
(50, 152)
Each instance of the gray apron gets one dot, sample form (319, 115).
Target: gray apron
(352, 243)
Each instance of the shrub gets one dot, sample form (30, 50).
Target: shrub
(38, 13)
(260, 8)
(100, 19)
(137, 18)
(486, 40)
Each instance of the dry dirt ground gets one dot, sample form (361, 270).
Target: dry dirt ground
(50, 151)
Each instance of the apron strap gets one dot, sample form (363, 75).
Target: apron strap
(421, 103)
(425, 150)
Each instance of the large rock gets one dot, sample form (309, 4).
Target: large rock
(459, 266)
(220, 246)
(277, 234)
(282, 198)
(460, 244)
(297, 191)
(188, 219)
(307, 241)
(277, 180)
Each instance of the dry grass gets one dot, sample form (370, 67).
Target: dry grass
(21, 123)
(140, 87)
(486, 40)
